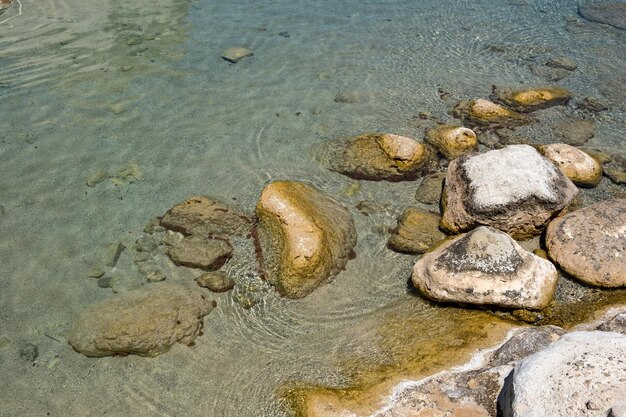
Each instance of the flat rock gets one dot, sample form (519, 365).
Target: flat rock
(590, 243)
(205, 216)
(417, 231)
(486, 267)
(305, 236)
(578, 166)
(429, 190)
(582, 373)
(378, 156)
(608, 13)
(452, 141)
(514, 189)
(200, 252)
(483, 112)
(575, 132)
(217, 281)
(146, 321)
(236, 53)
(529, 100)
(617, 176)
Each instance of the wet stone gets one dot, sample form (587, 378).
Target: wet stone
(608, 13)
(481, 112)
(549, 73)
(97, 177)
(617, 176)
(562, 62)
(200, 252)
(154, 226)
(112, 253)
(592, 105)
(142, 257)
(104, 282)
(155, 276)
(29, 352)
(96, 271)
(429, 190)
(172, 238)
(146, 244)
(134, 40)
(417, 231)
(529, 100)
(575, 132)
(235, 54)
(348, 97)
(131, 173)
(216, 281)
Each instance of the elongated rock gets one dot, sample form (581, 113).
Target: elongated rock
(483, 112)
(486, 266)
(529, 100)
(514, 189)
(577, 165)
(305, 236)
(146, 321)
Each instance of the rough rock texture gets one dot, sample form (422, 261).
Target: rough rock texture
(417, 231)
(200, 252)
(486, 266)
(306, 237)
(608, 13)
(575, 132)
(205, 216)
(590, 243)
(146, 321)
(514, 189)
(378, 156)
(581, 374)
(452, 141)
(429, 190)
(529, 100)
(483, 112)
(524, 343)
(578, 166)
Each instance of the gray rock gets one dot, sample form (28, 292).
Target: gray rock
(562, 62)
(203, 253)
(525, 343)
(616, 324)
(575, 132)
(147, 321)
(104, 282)
(617, 176)
(608, 13)
(592, 105)
(142, 257)
(430, 189)
(514, 189)
(29, 352)
(96, 270)
(549, 73)
(112, 253)
(582, 373)
(147, 244)
(486, 267)
(417, 231)
(217, 281)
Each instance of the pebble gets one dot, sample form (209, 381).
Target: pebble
(117, 108)
(29, 352)
(236, 53)
(429, 190)
(146, 244)
(96, 271)
(575, 132)
(142, 257)
(346, 97)
(154, 226)
(134, 40)
(155, 276)
(104, 282)
(97, 177)
(216, 281)
(112, 253)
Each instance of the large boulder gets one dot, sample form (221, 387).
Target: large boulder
(514, 189)
(590, 243)
(486, 266)
(378, 156)
(305, 236)
(146, 321)
(483, 112)
(581, 374)
(416, 232)
(206, 216)
(577, 165)
(528, 100)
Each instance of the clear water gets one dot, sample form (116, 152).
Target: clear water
(80, 93)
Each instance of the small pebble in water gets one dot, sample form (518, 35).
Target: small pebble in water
(134, 40)
(284, 34)
(29, 352)
(96, 271)
(97, 177)
(126, 68)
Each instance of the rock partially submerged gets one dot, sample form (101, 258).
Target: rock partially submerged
(529, 100)
(582, 373)
(417, 231)
(378, 156)
(578, 166)
(514, 189)
(146, 321)
(305, 236)
(483, 112)
(486, 267)
(590, 243)
(452, 141)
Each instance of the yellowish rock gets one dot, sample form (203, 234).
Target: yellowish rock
(236, 53)
(417, 231)
(529, 100)
(578, 166)
(484, 113)
(305, 236)
(452, 141)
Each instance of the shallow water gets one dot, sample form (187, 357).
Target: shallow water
(92, 85)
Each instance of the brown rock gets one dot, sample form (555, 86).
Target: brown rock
(514, 189)
(529, 100)
(429, 190)
(306, 237)
(378, 156)
(482, 112)
(452, 141)
(578, 166)
(617, 176)
(217, 281)
(146, 321)
(562, 62)
(590, 243)
(575, 132)
(200, 252)
(417, 231)
(201, 215)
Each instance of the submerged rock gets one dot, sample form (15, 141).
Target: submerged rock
(217, 281)
(529, 100)
(200, 252)
(483, 112)
(236, 53)
(378, 156)
(578, 166)
(306, 237)
(486, 267)
(579, 374)
(146, 321)
(617, 176)
(590, 243)
(514, 189)
(608, 13)
(429, 190)
(417, 231)
(201, 215)
(562, 62)
(575, 132)
(452, 141)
